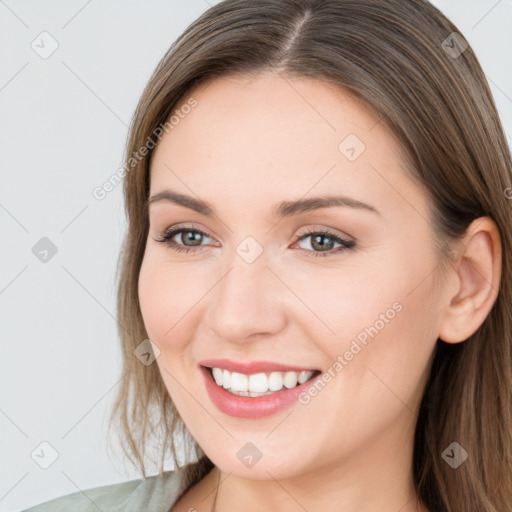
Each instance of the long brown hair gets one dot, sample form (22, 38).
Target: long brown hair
(409, 64)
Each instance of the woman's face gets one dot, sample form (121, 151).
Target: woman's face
(265, 287)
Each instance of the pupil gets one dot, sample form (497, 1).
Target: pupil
(192, 236)
(321, 245)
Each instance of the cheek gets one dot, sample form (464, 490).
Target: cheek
(380, 311)
(167, 298)
(338, 303)
(385, 328)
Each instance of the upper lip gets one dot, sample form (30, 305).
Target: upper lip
(250, 367)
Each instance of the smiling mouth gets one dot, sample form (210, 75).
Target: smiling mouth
(259, 384)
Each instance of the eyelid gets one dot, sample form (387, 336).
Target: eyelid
(302, 233)
(330, 231)
(187, 227)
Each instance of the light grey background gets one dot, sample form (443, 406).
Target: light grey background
(64, 120)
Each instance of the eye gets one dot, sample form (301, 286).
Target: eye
(322, 243)
(184, 239)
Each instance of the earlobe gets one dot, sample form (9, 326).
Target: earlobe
(477, 271)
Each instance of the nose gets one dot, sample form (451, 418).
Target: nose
(247, 303)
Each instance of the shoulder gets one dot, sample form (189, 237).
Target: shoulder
(155, 493)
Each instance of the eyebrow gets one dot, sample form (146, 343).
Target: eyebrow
(283, 209)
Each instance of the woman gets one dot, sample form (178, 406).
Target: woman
(315, 283)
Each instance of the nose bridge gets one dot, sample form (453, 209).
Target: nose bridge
(245, 301)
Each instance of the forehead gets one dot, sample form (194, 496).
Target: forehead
(276, 134)
(274, 110)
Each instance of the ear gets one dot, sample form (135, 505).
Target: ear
(476, 276)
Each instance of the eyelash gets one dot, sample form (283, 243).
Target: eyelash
(344, 244)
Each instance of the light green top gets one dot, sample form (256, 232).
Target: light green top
(154, 494)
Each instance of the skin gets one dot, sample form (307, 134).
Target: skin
(250, 143)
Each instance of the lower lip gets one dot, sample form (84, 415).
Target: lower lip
(252, 407)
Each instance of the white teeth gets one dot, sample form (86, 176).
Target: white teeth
(226, 379)
(239, 382)
(290, 379)
(303, 377)
(217, 375)
(275, 381)
(259, 384)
